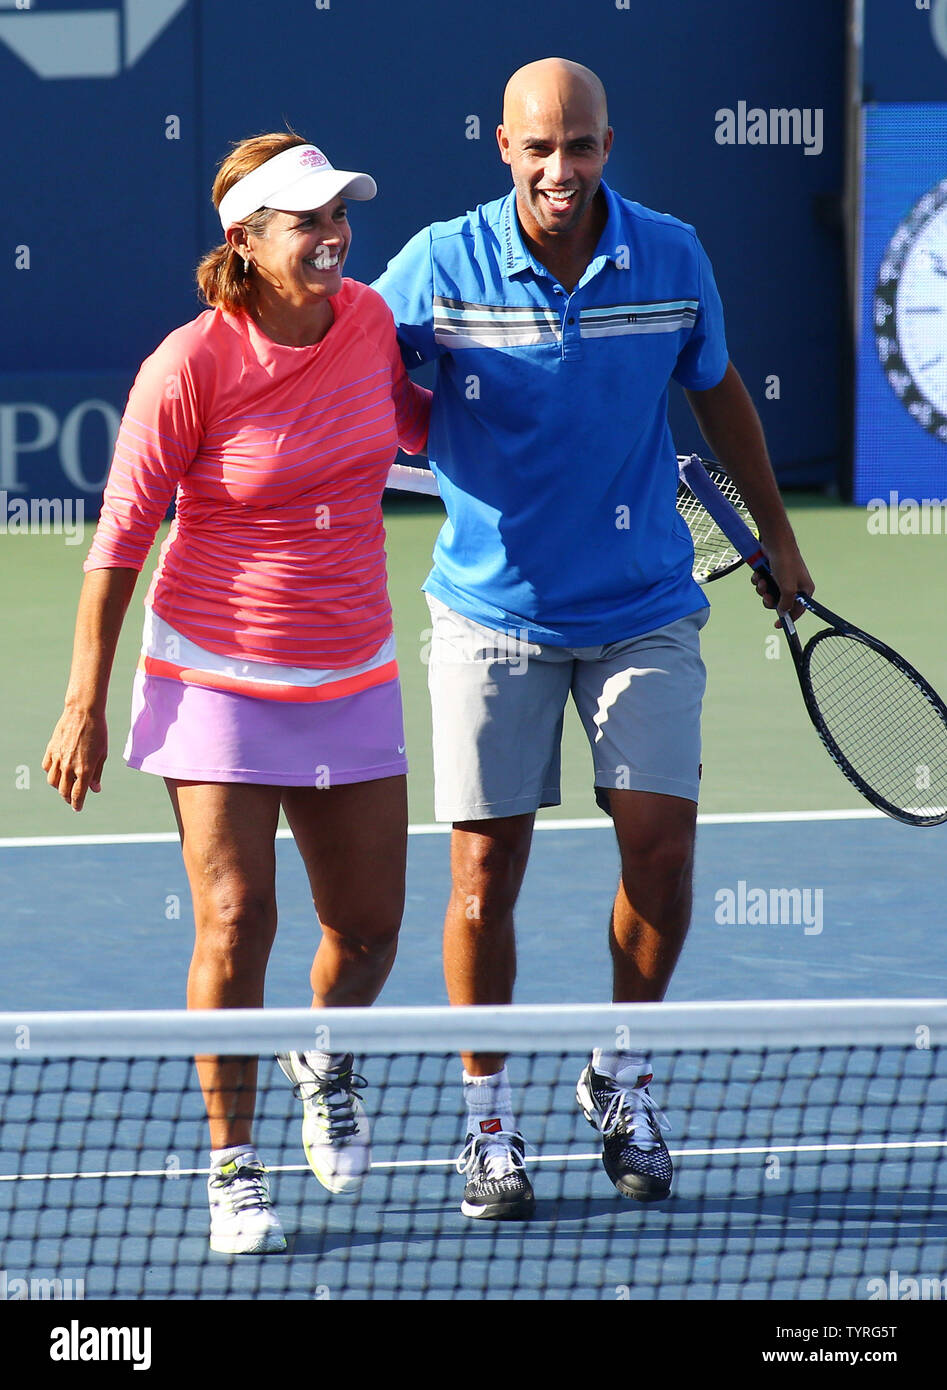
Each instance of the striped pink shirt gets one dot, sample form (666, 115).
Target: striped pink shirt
(278, 458)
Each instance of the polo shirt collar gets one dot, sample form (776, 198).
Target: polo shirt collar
(515, 256)
(609, 244)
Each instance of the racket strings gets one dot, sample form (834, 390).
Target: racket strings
(892, 736)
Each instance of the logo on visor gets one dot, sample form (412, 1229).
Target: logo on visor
(312, 159)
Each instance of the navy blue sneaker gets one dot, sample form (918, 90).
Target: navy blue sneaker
(497, 1185)
(634, 1155)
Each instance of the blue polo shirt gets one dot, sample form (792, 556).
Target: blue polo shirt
(549, 432)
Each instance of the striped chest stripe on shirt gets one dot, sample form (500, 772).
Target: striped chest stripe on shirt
(458, 324)
(616, 320)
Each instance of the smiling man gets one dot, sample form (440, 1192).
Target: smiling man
(558, 316)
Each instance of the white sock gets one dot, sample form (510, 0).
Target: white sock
(218, 1157)
(489, 1103)
(324, 1062)
(626, 1067)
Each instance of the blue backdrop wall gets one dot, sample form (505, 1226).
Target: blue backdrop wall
(116, 114)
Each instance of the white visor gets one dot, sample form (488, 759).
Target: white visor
(296, 180)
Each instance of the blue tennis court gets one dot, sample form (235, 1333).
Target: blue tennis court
(783, 1185)
(108, 925)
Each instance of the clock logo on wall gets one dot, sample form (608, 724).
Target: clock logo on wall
(911, 312)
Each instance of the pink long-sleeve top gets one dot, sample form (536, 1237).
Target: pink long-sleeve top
(278, 457)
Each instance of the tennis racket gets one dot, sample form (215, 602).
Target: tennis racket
(714, 554)
(881, 722)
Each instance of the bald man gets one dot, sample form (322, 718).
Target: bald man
(557, 317)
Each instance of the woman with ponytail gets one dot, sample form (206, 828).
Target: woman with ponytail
(267, 678)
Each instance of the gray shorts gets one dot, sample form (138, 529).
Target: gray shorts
(498, 705)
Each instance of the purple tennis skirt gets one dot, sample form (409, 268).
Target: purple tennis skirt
(195, 734)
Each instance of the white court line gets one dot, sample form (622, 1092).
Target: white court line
(169, 837)
(748, 1151)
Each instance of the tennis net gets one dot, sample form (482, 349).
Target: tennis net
(809, 1142)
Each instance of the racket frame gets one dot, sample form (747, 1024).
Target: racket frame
(802, 658)
(403, 478)
(714, 471)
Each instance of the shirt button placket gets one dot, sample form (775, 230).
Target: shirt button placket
(571, 337)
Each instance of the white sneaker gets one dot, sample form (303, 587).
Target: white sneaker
(242, 1218)
(336, 1132)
